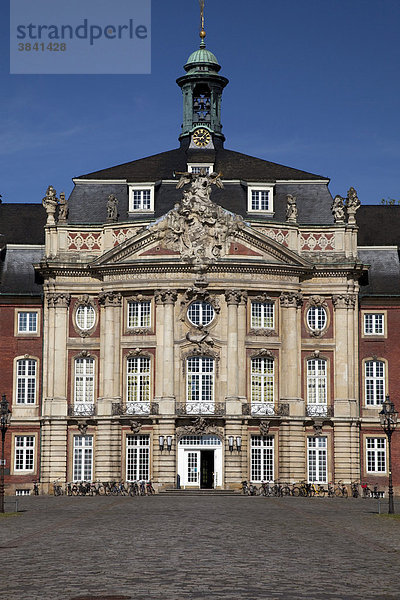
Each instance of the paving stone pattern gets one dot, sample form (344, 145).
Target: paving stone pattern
(163, 548)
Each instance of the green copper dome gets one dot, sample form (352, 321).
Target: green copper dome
(202, 55)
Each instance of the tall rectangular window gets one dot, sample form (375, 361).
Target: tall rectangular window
(316, 381)
(139, 314)
(262, 380)
(27, 322)
(83, 458)
(200, 379)
(24, 453)
(262, 458)
(262, 315)
(26, 381)
(317, 459)
(137, 457)
(84, 380)
(138, 379)
(374, 382)
(376, 455)
(374, 324)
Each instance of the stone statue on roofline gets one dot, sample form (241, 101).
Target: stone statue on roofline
(63, 209)
(112, 209)
(338, 209)
(291, 209)
(50, 203)
(197, 227)
(352, 205)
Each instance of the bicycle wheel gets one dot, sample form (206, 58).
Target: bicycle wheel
(321, 492)
(74, 490)
(285, 490)
(345, 492)
(338, 492)
(296, 491)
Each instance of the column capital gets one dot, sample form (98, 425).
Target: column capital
(234, 296)
(61, 300)
(291, 299)
(110, 298)
(165, 296)
(344, 301)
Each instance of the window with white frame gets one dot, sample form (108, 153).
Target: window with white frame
(84, 380)
(374, 324)
(24, 453)
(141, 197)
(200, 379)
(27, 322)
(316, 381)
(200, 313)
(262, 458)
(139, 314)
(85, 317)
(262, 380)
(262, 315)
(198, 167)
(376, 455)
(316, 318)
(83, 458)
(138, 379)
(26, 381)
(260, 199)
(374, 382)
(137, 457)
(317, 459)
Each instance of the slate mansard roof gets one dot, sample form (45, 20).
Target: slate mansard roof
(87, 202)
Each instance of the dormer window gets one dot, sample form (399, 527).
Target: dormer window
(197, 167)
(141, 198)
(260, 199)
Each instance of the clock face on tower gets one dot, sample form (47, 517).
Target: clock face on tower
(201, 137)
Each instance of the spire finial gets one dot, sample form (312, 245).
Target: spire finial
(202, 30)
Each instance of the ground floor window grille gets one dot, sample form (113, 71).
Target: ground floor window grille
(137, 457)
(317, 459)
(83, 458)
(24, 452)
(376, 455)
(262, 458)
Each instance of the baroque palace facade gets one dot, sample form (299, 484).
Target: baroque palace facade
(191, 318)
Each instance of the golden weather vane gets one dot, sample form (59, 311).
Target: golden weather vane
(202, 31)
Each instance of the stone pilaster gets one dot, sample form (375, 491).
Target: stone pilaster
(235, 469)
(165, 463)
(159, 367)
(110, 321)
(59, 302)
(107, 450)
(232, 298)
(168, 299)
(290, 370)
(53, 452)
(242, 308)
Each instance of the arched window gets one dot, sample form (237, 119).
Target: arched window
(374, 382)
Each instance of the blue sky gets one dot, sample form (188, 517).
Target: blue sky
(314, 84)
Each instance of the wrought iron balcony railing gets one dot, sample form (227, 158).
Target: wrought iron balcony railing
(319, 410)
(135, 408)
(200, 408)
(81, 409)
(266, 409)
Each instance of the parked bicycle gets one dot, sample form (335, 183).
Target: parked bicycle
(341, 490)
(36, 488)
(355, 492)
(57, 488)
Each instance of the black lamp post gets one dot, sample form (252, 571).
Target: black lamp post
(388, 417)
(5, 417)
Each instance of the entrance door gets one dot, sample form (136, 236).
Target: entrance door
(193, 467)
(207, 469)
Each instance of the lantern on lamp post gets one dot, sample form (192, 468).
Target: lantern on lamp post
(388, 418)
(5, 417)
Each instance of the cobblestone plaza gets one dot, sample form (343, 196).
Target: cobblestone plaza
(184, 548)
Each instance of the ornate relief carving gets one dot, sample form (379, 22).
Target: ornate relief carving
(264, 427)
(317, 301)
(316, 242)
(58, 299)
(265, 332)
(291, 299)
(83, 354)
(110, 298)
(200, 426)
(138, 352)
(279, 235)
(120, 235)
(262, 353)
(84, 240)
(344, 300)
(234, 296)
(196, 227)
(135, 426)
(202, 349)
(200, 336)
(263, 298)
(165, 296)
(83, 428)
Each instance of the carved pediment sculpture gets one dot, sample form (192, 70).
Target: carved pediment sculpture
(201, 337)
(135, 426)
(200, 426)
(197, 227)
